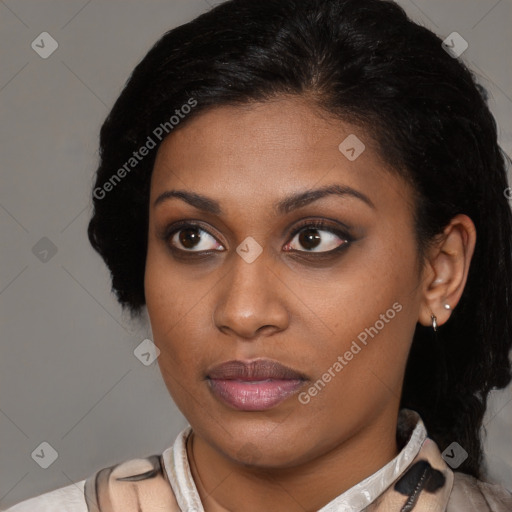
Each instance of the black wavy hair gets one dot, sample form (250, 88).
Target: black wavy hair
(365, 62)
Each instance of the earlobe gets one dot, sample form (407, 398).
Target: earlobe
(447, 271)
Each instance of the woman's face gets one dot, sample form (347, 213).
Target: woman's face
(336, 303)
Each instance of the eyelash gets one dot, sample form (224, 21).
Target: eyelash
(311, 224)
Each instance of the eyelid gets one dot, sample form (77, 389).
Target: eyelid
(323, 225)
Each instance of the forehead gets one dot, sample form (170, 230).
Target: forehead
(269, 149)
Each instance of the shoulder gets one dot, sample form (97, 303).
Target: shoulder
(135, 485)
(65, 499)
(472, 495)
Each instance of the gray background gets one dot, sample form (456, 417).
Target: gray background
(68, 373)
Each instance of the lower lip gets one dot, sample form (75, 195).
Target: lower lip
(254, 395)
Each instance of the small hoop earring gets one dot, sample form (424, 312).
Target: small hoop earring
(434, 322)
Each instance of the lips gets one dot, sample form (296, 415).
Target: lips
(254, 386)
(260, 369)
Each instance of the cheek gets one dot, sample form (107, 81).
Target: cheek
(374, 274)
(169, 289)
(172, 317)
(168, 299)
(179, 309)
(368, 312)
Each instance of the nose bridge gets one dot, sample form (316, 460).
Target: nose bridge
(249, 270)
(249, 297)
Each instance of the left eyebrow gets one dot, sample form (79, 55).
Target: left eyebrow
(304, 198)
(286, 205)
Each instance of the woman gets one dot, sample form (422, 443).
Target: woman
(309, 199)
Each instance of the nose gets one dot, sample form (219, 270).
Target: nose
(251, 299)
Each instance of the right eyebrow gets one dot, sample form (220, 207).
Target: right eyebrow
(199, 201)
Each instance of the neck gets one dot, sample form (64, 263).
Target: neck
(224, 485)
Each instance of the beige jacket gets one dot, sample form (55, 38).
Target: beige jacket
(418, 479)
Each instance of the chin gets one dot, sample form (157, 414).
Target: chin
(264, 452)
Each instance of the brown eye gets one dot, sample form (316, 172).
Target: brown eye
(317, 238)
(309, 238)
(192, 238)
(189, 237)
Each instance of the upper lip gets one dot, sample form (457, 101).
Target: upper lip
(259, 369)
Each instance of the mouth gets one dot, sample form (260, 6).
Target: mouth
(254, 386)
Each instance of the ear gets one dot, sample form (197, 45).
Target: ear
(446, 270)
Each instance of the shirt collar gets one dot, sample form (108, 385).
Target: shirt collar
(427, 471)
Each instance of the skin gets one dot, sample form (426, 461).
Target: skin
(289, 304)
